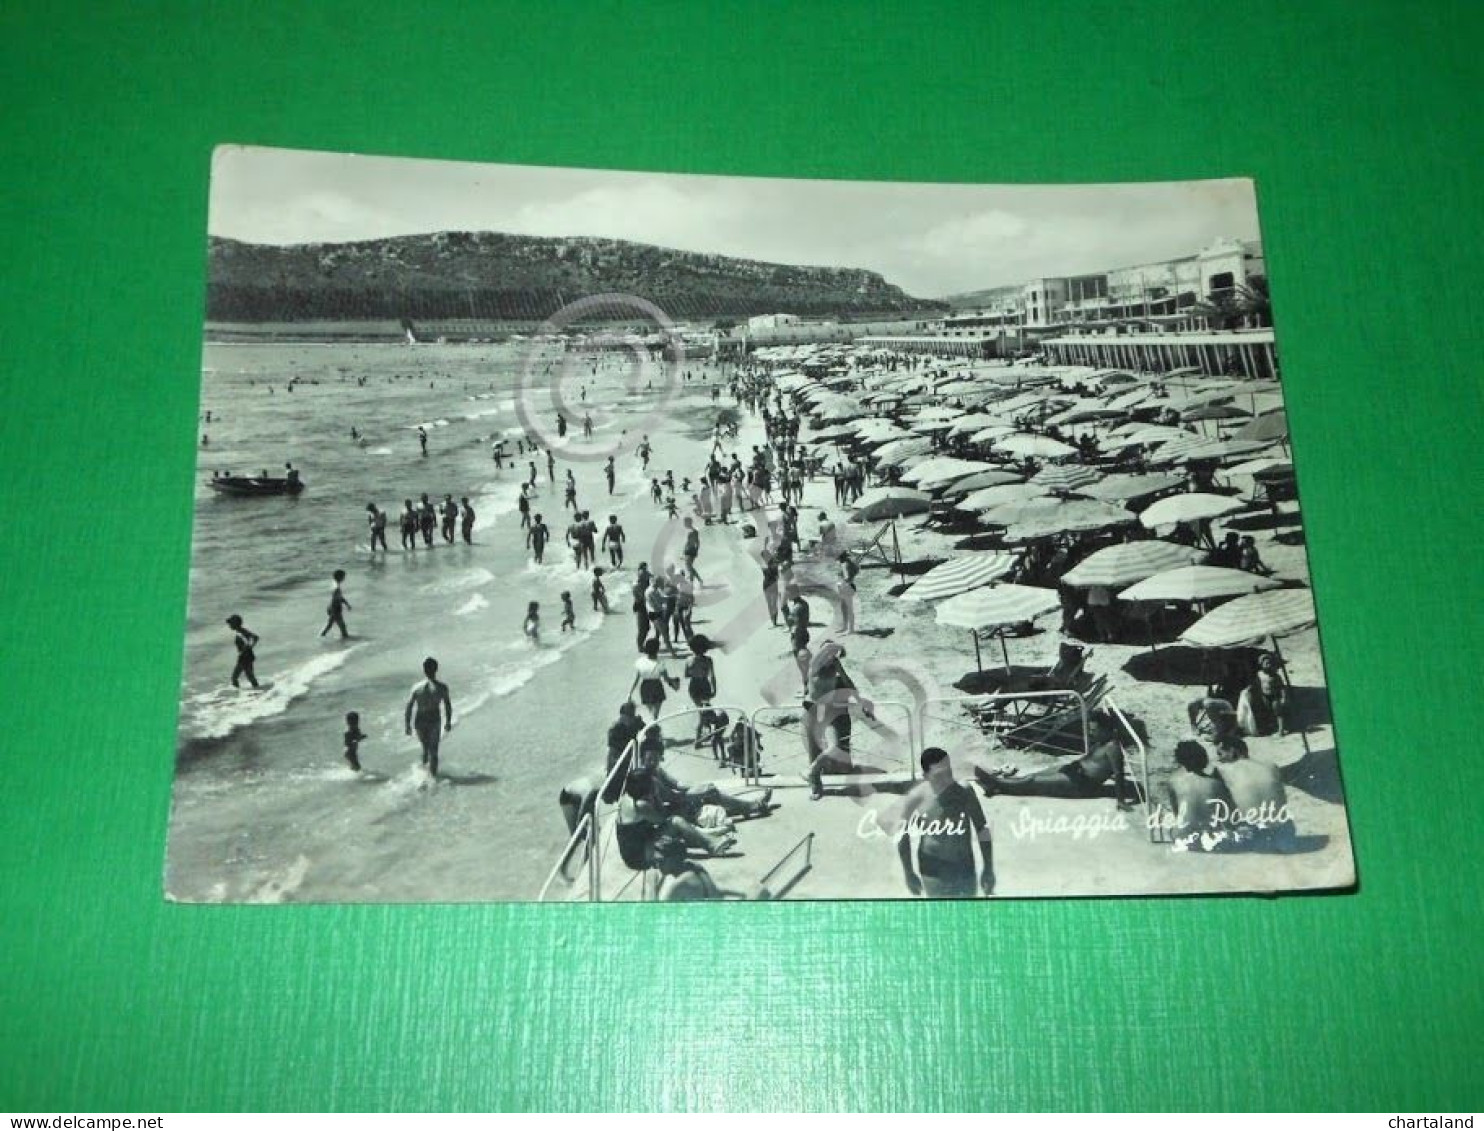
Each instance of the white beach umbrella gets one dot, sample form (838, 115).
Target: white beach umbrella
(890, 502)
(1027, 444)
(1121, 488)
(1191, 506)
(994, 477)
(987, 497)
(1197, 583)
(899, 452)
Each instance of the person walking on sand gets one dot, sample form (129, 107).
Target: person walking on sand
(429, 705)
(338, 605)
(613, 540)
(467, 521)
(641, 605)
(692, 551)
(531, 482)
(650, 679)
(376, 520)
(949, 820)
(536, 538)
(770, 586)
(550, 466)
(845, 589)
(587, 421)
(570, 499)
(246, 641)
(700, 683)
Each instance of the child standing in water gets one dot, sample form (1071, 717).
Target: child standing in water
(353, 738)
(569, 615)
(338, 605)
(532, 626)
(600, 592)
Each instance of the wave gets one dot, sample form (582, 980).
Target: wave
(459, 583)
(216, 714)
(473, 605)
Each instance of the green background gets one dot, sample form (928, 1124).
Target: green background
(1361, 124)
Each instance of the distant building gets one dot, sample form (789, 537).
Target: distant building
(771, 321)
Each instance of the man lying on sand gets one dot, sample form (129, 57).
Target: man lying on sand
(1088, 776)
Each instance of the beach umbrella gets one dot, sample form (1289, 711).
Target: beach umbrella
(1215, 412)
(1197, 583)
(838, 432)
(1259, 465)
(1250, 619)
(959, 575)
(926, 427)
(943, 469)
(990, 433)
(1065, 479)
(1272, 426)
(989, 497)
(1150, 434)
(899, 452)
(889, 502)
(1196, 448)
(1189, 507)
(1070, 516)
(1116, 566)
(995, 609)
(1121, 488)
(972, 422)
(979, 480)
(1028, 444)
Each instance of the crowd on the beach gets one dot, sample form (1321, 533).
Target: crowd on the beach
(1215, 798)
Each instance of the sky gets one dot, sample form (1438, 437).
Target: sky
(929, 239)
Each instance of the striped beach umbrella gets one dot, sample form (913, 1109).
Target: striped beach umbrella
(1198, 583)
(1251, 619)
(992, 432)
(959, 575)
(1065, 478)
(931, 473)
(1128, 562)
(990, 611)
(900, 451)
(1189, 507)
(1070, 516)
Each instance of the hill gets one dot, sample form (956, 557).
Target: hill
(490, 275)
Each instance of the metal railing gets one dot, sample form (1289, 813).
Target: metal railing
(1001, 717)
(1137, 761)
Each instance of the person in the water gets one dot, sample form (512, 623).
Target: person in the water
(466, 525)
(536, 538)
(524, 505)
(428, 520)
(531, 626)
(353, 737)
(569, 614)
(450, 511)
(409, 526)
(600, 592)
(422, 438)
(609, 474)
(246, 641)
(376, 520)
(429, 705)
(338, 605)
(613, 540)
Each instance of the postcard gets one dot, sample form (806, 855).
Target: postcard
(589, 536)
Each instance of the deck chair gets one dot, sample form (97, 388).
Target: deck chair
(1048, 726)
(1071, 659)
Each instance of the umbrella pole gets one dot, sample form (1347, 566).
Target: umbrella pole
(978, 659)
(896, 550)
(1004, 651)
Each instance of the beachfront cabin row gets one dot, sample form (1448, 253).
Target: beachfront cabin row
(1230, 353)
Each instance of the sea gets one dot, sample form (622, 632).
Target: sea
(265, 809)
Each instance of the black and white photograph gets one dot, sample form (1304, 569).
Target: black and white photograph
(569, 535)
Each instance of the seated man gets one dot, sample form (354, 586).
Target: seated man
(1212, 719)
(1259, 815)
(1086, 777)
(673, 796)
(1197, 801)
(948, 820)
(643, 826)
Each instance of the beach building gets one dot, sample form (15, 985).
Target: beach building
(771, 321)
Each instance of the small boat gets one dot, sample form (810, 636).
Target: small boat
(244, 485)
